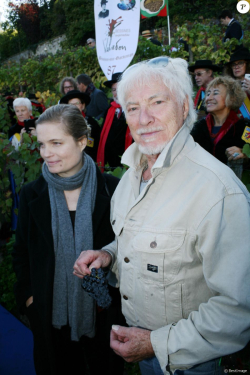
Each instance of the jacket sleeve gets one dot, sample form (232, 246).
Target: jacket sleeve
(21, 264)
(222, 325)
(235, 31)
(102, 103)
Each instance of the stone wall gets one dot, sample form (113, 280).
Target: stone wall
(51, 46)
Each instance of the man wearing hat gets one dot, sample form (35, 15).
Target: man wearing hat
(104, 12)
(81, 100)
(91, 43)
(147, 34)
(239, 68)
(203, 74)
(115, 136)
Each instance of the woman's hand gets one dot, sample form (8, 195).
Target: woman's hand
(32, 132)
(91, 259)
(235, 153)
(246, 85)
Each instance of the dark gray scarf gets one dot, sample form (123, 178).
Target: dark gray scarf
(71, 304)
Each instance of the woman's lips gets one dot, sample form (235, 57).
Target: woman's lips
(52, 163)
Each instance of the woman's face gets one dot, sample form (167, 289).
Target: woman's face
(22, 113)
(216, 99)
(239, 68)
(59, 150)
(77, 102)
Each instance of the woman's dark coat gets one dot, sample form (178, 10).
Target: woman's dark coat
(33, 255)
(201, 135)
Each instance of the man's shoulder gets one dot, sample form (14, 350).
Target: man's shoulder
(214, 173)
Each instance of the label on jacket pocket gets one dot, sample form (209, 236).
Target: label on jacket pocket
(152, 268)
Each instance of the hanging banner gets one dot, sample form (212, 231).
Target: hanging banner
(151, 8)
(117, 31)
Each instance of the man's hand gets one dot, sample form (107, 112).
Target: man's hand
(91, 259)
(132, 344)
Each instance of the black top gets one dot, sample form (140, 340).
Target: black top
(234, 30)
(94, 138)
(201, 135)
(14, 129)
(115, 144)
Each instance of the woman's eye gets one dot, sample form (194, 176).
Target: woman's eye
(56, 143)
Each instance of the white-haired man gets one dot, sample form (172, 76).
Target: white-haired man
(181, 220)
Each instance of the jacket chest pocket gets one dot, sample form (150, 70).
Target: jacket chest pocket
(159, 256)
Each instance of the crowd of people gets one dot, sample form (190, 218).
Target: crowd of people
(173, 233)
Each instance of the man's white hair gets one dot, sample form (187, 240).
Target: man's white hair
(174, 76)
(22, 102)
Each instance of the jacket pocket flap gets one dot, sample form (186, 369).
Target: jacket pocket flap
(158, 242)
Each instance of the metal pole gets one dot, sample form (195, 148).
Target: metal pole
(169, 38)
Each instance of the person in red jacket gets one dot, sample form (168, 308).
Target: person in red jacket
(115, 136)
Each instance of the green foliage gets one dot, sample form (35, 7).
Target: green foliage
(8, 277)
(24, 162)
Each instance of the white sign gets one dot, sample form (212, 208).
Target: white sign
(117, 31)
(243, 6)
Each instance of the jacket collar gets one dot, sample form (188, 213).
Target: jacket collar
(132, 155)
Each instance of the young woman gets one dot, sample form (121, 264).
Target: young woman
(64, 212)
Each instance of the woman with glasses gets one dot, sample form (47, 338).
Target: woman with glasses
(67, 84)
(64, 212)
(81, 100)
(221, 131)
(238, 68)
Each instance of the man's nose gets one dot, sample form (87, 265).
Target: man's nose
(145, 117)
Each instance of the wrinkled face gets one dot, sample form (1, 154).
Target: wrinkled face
(154, 116)
(67, 86)
(216, 99)
(81, 87)
(114, 92)
(59, 150)
(239, 68)
(22, 113)
(77, 102)
(202, 77)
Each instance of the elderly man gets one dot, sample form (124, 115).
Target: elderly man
(181, 220)
(98, 100)
(203, 71)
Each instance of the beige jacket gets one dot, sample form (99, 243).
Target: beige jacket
(183, 253)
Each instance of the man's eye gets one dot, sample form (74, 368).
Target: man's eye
(132, 109)
(56, 143)
(158, 102)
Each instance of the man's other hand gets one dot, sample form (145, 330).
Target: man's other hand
(132, 344)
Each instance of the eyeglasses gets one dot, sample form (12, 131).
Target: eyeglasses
(78, 103)
(68, 87)
(160, 61)
(199, 74)
(237, 63)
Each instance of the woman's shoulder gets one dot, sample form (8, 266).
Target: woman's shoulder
(37, 185)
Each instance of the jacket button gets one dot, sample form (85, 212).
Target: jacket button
(125, 297)
(126, 260)
(153, 244)
(113, 222)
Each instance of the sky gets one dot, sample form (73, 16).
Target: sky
(3, 8)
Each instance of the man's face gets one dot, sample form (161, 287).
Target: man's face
(202, 77)
(77, 102)
(81, 87)
(225, 21)
(103, 7)
(154, 116)
(114, 92)
(67, 86)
